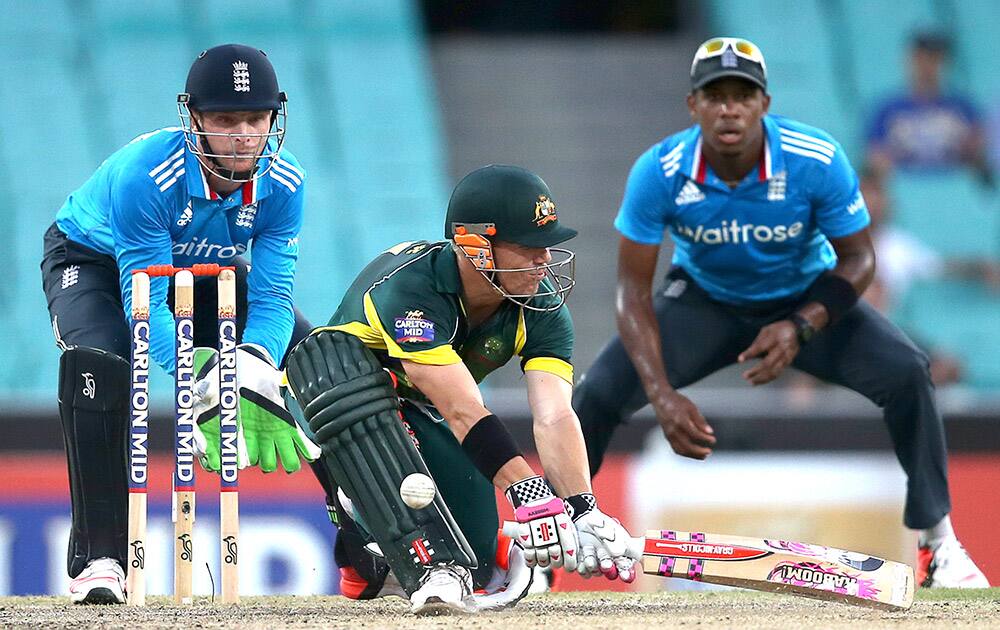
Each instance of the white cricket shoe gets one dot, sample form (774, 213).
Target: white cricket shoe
(511, 579)
(102, 582)
(445, 590)
(948, 566)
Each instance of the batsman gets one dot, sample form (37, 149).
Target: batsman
(390, 390)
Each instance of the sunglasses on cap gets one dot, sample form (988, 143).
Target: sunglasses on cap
(718, 46)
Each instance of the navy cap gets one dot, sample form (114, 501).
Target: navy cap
(232, 77)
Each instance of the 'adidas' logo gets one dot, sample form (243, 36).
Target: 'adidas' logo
(186, 216)
(690, 193)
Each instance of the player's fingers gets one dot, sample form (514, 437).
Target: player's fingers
(589, 559)
(699, 431)
(542, 557)
(701, 422)
(754, 372)
(555, 556)
(682, 445)
(604, 559)
(529, 556)
(771, 366)
(760, 346)
(626, 569)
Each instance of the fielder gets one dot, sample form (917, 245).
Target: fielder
(389, 389)
(772, 250)
(198, 193)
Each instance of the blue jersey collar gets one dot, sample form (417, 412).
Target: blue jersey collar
(197, 183)
(772, 162)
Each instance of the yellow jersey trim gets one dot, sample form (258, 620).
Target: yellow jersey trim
(552, 365)
(521, 337)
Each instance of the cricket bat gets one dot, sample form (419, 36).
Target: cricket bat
(779, 566)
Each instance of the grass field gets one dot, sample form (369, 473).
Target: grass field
(945, 608)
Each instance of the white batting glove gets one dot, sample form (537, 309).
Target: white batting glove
(606, 548)
(544, 529)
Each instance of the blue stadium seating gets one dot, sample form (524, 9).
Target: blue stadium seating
(83, 78)
(796, 38)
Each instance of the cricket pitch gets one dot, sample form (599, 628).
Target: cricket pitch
(571, 611)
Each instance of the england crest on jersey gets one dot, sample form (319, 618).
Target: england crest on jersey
(246, 215)
(776, 187)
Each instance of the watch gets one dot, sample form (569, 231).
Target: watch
(804, 331)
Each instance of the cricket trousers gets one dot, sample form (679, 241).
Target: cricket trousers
(85, 308)
(863, 352)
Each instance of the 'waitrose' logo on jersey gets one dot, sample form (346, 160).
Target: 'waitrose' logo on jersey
(734, 232)
(200, 247)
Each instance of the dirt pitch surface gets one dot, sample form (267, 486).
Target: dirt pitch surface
(948, 608)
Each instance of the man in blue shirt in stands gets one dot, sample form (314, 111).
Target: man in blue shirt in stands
(771, 253)
(928, 128)
(219, 186)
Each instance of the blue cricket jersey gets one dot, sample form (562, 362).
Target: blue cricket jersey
(766, 239)
(150, 204)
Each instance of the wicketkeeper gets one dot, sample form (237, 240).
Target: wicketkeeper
(215, 188)
(389, 389)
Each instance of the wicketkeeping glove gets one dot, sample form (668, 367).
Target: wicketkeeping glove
(605, 546)
(206, 413)
(544, 528)
(268, 430)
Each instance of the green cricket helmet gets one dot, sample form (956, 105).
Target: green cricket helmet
(511, 204)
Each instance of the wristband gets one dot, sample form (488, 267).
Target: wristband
(489, 445)
(532, 499)
(529, 490)
(579, 504)
(836, 294)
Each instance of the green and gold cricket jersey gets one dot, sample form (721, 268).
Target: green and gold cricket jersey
(407, 304)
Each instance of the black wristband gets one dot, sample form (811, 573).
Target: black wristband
(490, 445)
(834, 293)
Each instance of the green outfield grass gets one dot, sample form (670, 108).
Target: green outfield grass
(570, 611)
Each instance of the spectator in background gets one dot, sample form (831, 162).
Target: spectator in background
(903, 258)
(927, 129)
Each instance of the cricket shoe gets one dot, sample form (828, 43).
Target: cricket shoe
(948, 565)
(446, 589)
(511, 579)
(102, 582)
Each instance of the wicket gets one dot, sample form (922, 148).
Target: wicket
(183, 495)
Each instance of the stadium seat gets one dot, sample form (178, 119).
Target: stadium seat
(362, 120)
(949, 211)
(803, 61)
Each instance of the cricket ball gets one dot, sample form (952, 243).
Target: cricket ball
(417, 490)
